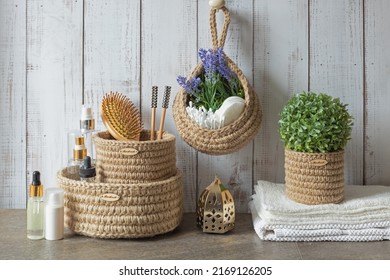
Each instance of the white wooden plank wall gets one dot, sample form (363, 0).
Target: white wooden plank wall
(55, 55)
(336, 67)
(377, 92)
(54, 83)
(280, 70)
(13, 104)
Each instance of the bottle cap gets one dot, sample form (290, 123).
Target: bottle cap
(36, 188)
(79, 151)
(79, 140)
(87, 122)
(54, 197)
(87, 170)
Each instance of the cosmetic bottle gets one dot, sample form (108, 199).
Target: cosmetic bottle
(87, 171)
(87, 122)
(35, 208)
(54, 214)
(80, 141)
(87, 129)
(79, 152)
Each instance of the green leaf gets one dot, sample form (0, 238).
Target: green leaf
(312, 122)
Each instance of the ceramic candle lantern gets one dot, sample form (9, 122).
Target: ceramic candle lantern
(215, 211)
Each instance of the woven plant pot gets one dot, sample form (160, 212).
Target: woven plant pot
(122, 210)
(314, 178)
(233, 136)
(126, 162)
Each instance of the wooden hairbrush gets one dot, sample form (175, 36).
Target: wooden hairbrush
(120, 116)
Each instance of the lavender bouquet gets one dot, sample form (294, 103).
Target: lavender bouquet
(211, 88)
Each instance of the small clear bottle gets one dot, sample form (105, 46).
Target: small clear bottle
(87, 171)
(35, 209)
(87, 128)
(81, 140)
(54, 214)
(79, 152)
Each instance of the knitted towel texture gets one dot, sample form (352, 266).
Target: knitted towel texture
(364, 215)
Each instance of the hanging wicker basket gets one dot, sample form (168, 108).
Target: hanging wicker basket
(233, 136)
(314, 178)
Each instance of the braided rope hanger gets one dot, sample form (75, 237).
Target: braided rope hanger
(233, 136)
(219, 43)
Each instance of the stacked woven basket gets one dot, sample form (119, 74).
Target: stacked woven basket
(314, 178)
(137, 193)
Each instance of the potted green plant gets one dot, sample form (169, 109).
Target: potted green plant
(315, 129)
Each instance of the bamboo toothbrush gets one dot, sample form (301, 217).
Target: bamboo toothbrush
(154, 106)
(165, 103)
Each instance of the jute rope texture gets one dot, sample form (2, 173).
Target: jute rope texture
(154, 160)
(141, 210)
(310, 184)
(233, 136)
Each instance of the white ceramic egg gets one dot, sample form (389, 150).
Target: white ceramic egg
(217, 4)
(231, 109)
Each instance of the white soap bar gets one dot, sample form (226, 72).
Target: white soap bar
(231, 109)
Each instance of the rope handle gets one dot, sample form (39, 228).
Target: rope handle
(219, 43)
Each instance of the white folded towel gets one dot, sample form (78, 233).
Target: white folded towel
(364, 215)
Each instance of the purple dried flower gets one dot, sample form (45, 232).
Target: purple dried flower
(210, 63)
(215, 84)
(222, 67)
(190, 86)
(214, 63)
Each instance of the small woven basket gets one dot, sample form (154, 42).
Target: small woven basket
(233, 136)
(122, 210)
(314, 178)
(122, 162)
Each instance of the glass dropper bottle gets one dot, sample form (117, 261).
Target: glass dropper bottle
(35, 208)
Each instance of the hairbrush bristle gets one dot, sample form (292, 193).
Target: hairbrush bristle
(121, 117)
(154, 96)
(167, 93)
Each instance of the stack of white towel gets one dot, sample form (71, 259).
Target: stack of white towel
(364, 215)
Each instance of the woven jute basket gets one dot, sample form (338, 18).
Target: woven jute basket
(121, 162)
(233, 136)
(122, 210)
(314, 178)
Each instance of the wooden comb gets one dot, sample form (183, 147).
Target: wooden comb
(120, 116)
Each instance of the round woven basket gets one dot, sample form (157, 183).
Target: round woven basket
(314, 178)
(126, 162)
(122, 210)
(233, 136)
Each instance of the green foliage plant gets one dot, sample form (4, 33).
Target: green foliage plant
(315, 123)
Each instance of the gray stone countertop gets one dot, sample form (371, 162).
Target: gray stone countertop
(187, 242)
